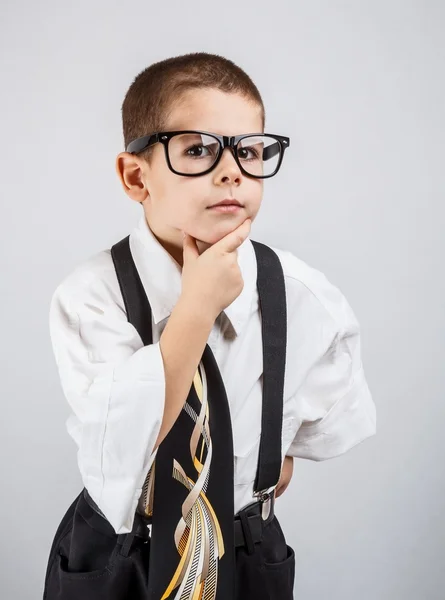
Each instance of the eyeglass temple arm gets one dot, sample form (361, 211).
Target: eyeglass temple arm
(272, 150)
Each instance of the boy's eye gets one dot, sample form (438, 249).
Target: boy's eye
(243, 153)
(196, 150)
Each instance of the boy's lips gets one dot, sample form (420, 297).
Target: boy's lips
(227, 202)
(226, 208)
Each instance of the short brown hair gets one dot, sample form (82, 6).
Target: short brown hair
(153, 93)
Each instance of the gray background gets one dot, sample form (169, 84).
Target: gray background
(359, 88)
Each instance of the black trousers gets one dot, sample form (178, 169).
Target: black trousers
(89, 561)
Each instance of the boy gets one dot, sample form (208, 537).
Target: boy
(134, 389)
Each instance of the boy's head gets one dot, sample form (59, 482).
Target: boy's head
(203, 92)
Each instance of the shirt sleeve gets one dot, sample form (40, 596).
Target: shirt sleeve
(115, 387)
(334, 401)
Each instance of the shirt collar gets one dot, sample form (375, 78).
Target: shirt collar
(161, 275)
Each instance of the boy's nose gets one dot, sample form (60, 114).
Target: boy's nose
(227, 161)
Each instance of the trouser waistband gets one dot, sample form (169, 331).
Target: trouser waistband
(249, 522)
(252, 519)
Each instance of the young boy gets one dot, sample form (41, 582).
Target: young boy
(184, 324)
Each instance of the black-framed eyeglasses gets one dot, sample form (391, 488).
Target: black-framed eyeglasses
(191, 153)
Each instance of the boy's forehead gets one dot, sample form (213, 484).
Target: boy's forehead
(215, 111)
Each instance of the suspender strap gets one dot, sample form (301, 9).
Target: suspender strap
(272, 299)
(136, 302)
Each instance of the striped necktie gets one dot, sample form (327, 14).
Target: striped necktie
(189, 494)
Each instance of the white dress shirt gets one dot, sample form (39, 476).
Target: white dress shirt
(115, 386)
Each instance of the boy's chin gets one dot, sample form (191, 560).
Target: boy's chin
(217, 235)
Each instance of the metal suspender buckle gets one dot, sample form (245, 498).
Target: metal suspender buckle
(262, 495)
(266, 502)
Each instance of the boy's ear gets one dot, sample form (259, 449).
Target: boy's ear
(129, 171)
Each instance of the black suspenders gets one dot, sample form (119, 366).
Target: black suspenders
(272, 299)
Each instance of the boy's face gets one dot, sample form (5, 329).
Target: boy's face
(173, 203)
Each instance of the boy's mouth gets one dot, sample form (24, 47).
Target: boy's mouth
(227, 202)
(226, 208)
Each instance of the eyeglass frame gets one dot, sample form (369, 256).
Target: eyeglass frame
(142, 143)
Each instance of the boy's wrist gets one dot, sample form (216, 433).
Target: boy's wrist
(197, 310)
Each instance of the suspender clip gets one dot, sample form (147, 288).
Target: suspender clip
(266, 500)
(262, 495)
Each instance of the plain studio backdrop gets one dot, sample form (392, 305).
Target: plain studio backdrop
(358, 86)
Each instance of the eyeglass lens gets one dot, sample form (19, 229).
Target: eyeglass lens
(193, 153)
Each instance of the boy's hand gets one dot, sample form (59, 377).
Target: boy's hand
(286, 475)
(213, 279)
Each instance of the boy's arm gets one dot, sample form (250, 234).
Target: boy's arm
(125, 396)
(334, 401)
(287, 469)
(182, 345)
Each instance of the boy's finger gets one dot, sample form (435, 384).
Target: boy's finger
(235, 238)
(189, 247)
